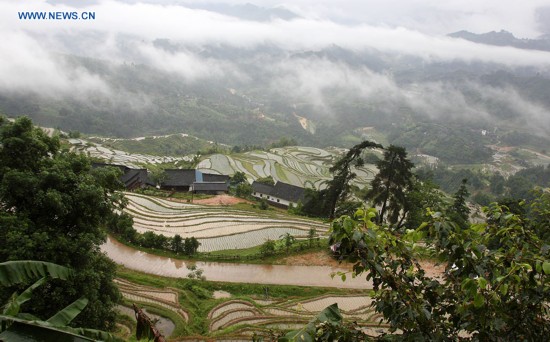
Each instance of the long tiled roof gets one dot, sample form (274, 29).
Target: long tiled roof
(210, 186)
(176, 177)
(281, 190)
(211, 177)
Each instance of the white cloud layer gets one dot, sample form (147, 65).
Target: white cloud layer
(125, 31)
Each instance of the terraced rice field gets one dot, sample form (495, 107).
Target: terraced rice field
(120, 157)
(290, 314)
(297, 165)
(242, 317)
(216, 227)
(142, 294)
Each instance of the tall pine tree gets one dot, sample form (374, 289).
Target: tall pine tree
(339, 187)
(459, 211)
(390, 186)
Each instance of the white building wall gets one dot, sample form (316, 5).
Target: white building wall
(273, 199)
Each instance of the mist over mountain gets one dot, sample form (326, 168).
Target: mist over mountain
(504, 38)
(250, 74)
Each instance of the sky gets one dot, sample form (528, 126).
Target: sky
(125, 29)
(415, 27)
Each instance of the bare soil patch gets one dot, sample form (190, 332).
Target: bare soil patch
(322, 258)
(432, 268)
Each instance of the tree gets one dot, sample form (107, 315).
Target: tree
(243, 190)
(391, 184)
(177, 244)
(123, 225)
(263, 204)
(158, 175)
(495, 287)
(190, 246)
(459, 211)
(315, 203)
(149, 240)
(339, 187)
(284, 141)
(311, 234)
(266, 180)
(288, 240)
(53, 208)
(238, 178)
(267, 248)
(422, 196)
(497, 184)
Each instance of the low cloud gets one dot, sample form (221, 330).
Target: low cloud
(149, 21)
(125, 32)
(188, 65)
(317, 80)
(25, 66)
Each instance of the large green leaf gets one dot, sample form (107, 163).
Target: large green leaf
(65, 316)
(27, 332)
(21, 271)
(12, 307)
(330, 314)
(23, 330)
(35, 330)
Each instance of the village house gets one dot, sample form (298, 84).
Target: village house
(281, 194)
(180, 180)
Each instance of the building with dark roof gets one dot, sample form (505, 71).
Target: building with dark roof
(131, 178)
(174, 180)
(135, 179)
(213, 188)
(178, 180)
(210, 177)
(196, 181)
(280, 194)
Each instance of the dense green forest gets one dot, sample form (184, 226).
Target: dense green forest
(55, 208)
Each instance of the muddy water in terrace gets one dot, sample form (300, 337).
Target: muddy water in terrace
(236, 273)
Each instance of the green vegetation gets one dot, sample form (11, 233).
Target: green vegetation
(452, 143)
(254, 255)
(54, 208)
(169, 145)
(195, 295)
(390, 186)
(480, 295)
(15, 325)
(488, 187)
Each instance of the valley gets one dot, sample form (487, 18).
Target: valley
(274, 171)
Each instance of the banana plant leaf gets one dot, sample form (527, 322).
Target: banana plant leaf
(12, 307)
(65, 316)
(22, 271)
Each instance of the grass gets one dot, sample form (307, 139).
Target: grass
(247, 255)
(171, 194)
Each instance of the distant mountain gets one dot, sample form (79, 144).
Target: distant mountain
(504, 38)
(259, 94)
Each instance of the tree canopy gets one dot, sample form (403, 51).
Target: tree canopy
(338, 188)
(496, 283)
(53, 206)
(391, 184)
